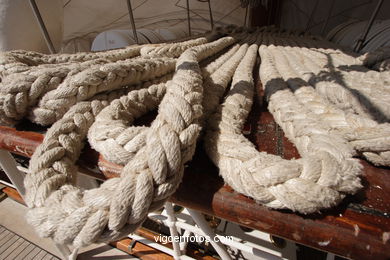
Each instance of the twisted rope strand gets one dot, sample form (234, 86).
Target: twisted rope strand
(97, 79)
(111, 128)
(94, 95)
(120, 205)
(357, 89)
(32, 58)
(171, 50)
(364, 135)
(21, 91)
(308, 185)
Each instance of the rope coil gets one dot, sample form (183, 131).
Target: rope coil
(145, 182)
(313, 91)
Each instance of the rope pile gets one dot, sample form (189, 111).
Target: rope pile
(327, 102)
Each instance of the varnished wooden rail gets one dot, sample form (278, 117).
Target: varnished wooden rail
(359, 228)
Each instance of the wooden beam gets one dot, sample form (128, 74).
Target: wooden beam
(13, 194)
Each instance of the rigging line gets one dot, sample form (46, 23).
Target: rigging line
(368, 26)
(191, 11)
(67, 3)
(156, 17)
(342, 13)
(152, 17)
(42, 26)
(205, 19)
(246, 14)
(383, 29)
(188, 18)
(238, 6)
(211, 15)
(327, 17)
(298, 8)
(124, 15)
(103, 27)
(131, 16)
(312, 15)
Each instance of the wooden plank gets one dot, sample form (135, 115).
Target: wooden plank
(16, 141)
(11, 248)
(6, 244)
(4, 232)
(49, 257)
(25, 252)
(40, 255)
(16, 247)
(6, 237)
(13, 194)
(33, 253)
(18, 250)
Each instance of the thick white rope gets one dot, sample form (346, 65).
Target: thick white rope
(57, 90)
(35, 58)
(326, 133)
(82, 81)
(171, 50)
(319, 180)
(353, 87)
(366, 136)
(111, 135)
(94, 80)
(20, 91)
(120, 205)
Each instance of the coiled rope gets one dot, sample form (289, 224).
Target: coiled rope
(120, 205)
(313, 91)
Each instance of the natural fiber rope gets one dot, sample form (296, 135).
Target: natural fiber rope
(171, 50)
(365, 135)
(354, 87)
(24, 84)
(21, 91)
(74, 217)
(35, 58)
(95, 80)
(318, 180)
(83, 83)
(327, 127)
(111, 128)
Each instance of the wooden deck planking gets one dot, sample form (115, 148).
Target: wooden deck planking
(25, 252)
(6, 237)
(12, 248)
(18, 250)
(15, 247)
(7, 244)
(3, 233)
(40, 255)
